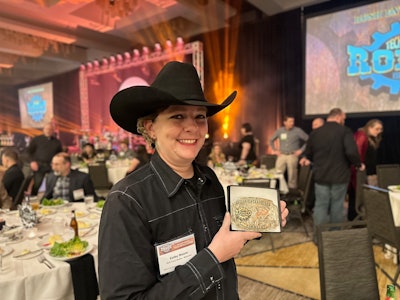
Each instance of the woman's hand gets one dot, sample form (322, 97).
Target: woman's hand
(284, 212)
(226, 244)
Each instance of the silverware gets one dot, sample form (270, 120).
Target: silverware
(87, 232)
(44, 260)
(28, 253)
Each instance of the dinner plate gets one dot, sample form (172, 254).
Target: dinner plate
(85, 225)
(31, 254)
(88, 249)
(46, 211)
(56, 206)
(394, 188)
(5, 250)
(48, 242)
(81, 213)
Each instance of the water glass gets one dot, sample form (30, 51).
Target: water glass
(89, 200)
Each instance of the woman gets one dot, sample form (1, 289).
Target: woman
(247, 146)
(141, 157)
(172, 203)
(216, 158)
(368, 139)
(88, 154)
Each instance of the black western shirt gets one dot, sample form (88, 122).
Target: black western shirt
(155, 205)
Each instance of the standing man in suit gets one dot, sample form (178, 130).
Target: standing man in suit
(332, 150)
(65, 183)
(41, 150)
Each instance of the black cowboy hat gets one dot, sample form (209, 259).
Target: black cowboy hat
(176, 84)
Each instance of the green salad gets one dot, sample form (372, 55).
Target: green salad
(73, 247)
(100, 203)
(52, 202)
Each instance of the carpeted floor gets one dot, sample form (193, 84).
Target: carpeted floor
(291, 271)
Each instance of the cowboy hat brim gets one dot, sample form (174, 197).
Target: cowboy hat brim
(130, 104)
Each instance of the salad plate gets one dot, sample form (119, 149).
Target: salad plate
(72, 256)
(5, 250)
(54, 203)
(394, 188)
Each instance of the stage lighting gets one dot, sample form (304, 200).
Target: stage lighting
(179, 43)
(96, 64)
(157, 48)
(104, 63)
(82, 67)
(127, 57)
(89, 66)
(112, 60)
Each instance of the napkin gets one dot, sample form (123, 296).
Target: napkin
(84, 278)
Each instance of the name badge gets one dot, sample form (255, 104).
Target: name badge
(78, 194)
(283, 136)
(175, 253)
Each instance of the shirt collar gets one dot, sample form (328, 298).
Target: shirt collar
(170, 180)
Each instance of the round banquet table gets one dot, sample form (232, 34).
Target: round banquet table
(25, 277)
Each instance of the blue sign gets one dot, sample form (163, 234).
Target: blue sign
(36, 107)
(379, 61)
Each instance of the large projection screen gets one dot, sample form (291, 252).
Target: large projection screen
(352, 61)
(36, 105)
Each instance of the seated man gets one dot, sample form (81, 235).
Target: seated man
(13, 176)
(65, 183)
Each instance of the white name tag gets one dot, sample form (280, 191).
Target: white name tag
(78, 194)
(175, 253)
(283, 136)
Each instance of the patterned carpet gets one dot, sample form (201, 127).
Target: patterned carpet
(291, 271)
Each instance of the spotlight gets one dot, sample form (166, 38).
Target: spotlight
(145, 50)
(104, 62)
(119, 59)
(89, 66)
(179, 43)
(96, 64)
(136, 54)
(127, 57)
(168, 45)
(157, 48)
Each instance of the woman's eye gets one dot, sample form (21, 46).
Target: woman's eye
(201, 116)
(177, 117)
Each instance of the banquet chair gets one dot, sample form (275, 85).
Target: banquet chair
(99, 175)
(380, 221)
(388, 174)
(268, 161)
(346, 262)
(23, 190)
(297, 200)
(359, 205)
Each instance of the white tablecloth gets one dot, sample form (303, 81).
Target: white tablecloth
(27, 278)
(115, 173)
(395, 203)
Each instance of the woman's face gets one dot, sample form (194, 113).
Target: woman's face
(179, 132)
(375, 129)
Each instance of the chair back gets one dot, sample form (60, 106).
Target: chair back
(272, 183)
(361, 179)
(379, 215)
(268, 160)
(304, 185)
(99, 175)
(388, 174)
(22, 190)
(346, 262)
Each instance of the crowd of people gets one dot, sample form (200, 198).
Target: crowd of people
(168, 197)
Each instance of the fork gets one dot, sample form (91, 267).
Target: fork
(44, 260)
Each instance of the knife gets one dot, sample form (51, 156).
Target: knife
(87, 232)
(27, 253)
